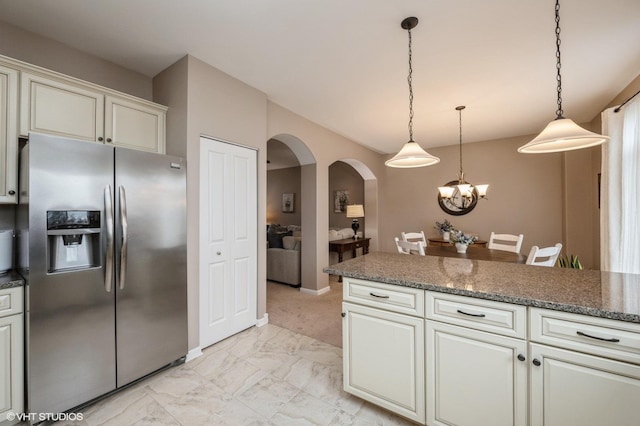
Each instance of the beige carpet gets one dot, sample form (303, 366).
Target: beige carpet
(313, 316)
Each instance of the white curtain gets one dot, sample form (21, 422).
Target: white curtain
(620, 190)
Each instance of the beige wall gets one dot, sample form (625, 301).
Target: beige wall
(283, 181)
(525, 194)
(220, 107)
(343, 176)
(325, 148)
(44, 52)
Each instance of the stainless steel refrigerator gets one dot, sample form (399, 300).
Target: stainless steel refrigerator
(102, 238)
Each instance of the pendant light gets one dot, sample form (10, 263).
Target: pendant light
(411, 155)
(562, 134)
(459, 197)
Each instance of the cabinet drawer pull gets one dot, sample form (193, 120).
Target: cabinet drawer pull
(471, 315)
(377, 295)
(612, 340)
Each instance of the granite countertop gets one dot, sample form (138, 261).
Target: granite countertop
(595, 293)
(11, 279)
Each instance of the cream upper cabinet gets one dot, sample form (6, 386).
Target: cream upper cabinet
(66, 107)
(59, 108)
(134, 124)
(8, 135)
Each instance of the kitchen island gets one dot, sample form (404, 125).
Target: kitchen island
(457, 341)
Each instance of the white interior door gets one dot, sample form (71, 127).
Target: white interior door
(228, 240)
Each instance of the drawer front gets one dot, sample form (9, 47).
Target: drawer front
(10, 301)
(486, 315)
(592, 335)
(405, 300)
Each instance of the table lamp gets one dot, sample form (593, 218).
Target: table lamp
(355, 211)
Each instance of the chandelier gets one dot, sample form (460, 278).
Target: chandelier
(411, 155)
(459, 197)
(562, 134)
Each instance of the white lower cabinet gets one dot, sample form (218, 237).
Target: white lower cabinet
(474, 378)
(485, 363)
(384, 359)
(571, 388)
(11, 355)
(384, 350)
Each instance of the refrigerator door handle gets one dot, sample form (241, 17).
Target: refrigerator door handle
(125, 239)
(108, 264)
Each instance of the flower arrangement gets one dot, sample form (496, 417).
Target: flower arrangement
(445, 226)
(462, 238)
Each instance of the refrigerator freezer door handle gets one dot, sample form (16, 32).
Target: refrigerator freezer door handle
(125, 239)
(108, 264)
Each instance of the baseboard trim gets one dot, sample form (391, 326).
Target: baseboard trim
(193, 354)
(263, 321)
(320, 292)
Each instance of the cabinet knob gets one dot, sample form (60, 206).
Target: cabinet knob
(343, 315)
(100, 138)
(521, 357)
(536, 362)
(12, 192)
(109, 140)
(218, 253)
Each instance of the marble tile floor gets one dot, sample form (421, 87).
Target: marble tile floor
(262, 376)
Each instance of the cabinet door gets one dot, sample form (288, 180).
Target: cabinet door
(474, 378)
(11, 365)
(384, 359)
(60, 108)
(135, 125)
(570, 388)
(8, 135)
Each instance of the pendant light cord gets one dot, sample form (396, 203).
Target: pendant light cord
(460, 124)
(409, 80)
(559, 111)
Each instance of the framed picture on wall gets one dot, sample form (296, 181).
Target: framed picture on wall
(340, 200)
(288, 203)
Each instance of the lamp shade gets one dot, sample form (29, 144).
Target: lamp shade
(412, 155)
(355, 210)
(562, 135)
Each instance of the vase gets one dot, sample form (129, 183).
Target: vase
(461, 247)
(445, 236)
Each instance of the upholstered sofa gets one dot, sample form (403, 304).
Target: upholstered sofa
(283, 260)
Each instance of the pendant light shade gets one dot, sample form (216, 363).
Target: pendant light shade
(562, 134)
(411, 155)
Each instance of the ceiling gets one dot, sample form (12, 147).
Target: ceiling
(344, 64)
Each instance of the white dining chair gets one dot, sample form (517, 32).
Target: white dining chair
(546, 256)
(407, 247)
(505, 242)
(414, 237)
